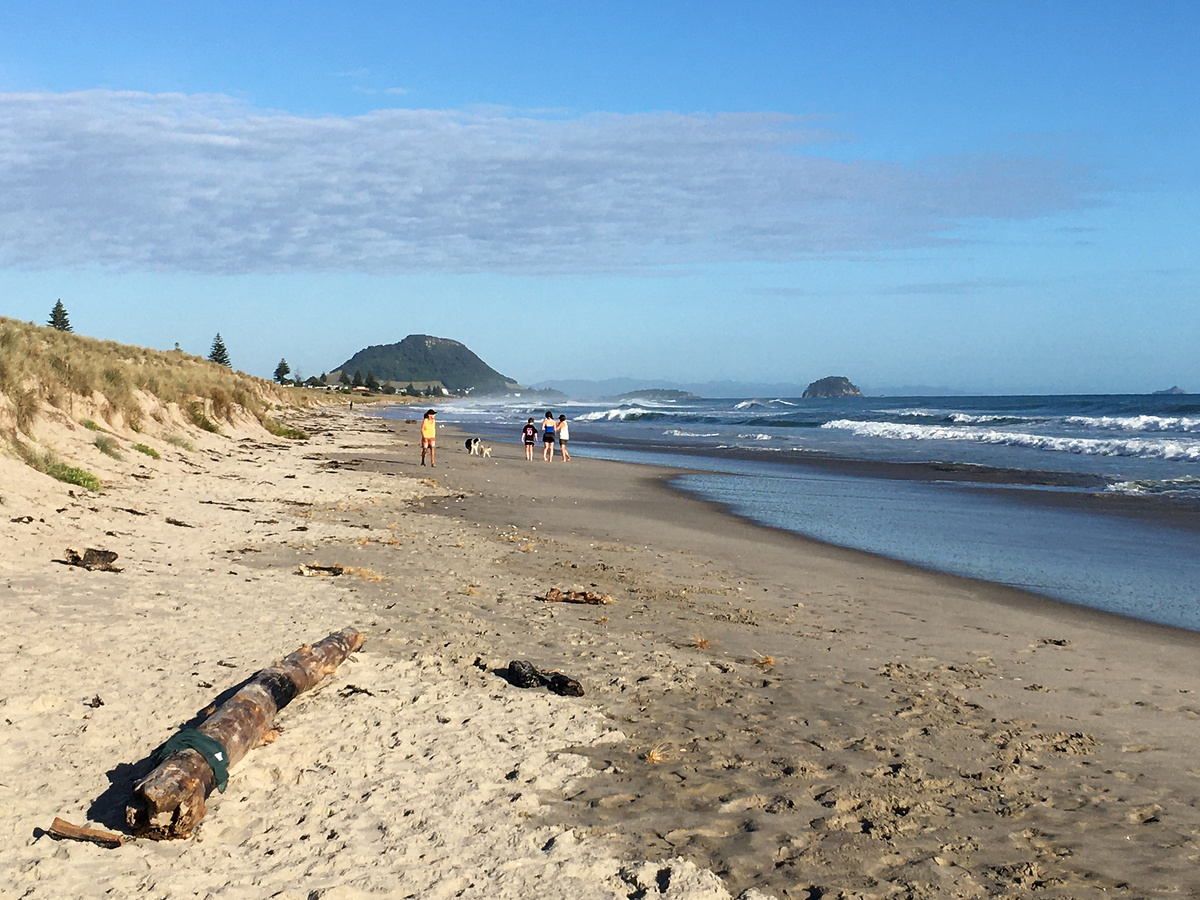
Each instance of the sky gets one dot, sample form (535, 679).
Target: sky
(989, 197)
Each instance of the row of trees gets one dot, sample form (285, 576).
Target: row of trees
(219, 354)
(358, 380)
(60, 321)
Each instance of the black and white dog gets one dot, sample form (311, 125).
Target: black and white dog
(476, 448)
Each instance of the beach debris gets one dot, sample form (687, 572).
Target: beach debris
(314, 570)
(659, 753)
(62, 829)
(22, 520)
(169, 802)
(524, 674)
(177, 522)
(763, 660)
(554, 595)
(92, 559)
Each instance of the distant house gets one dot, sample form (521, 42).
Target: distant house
(361, 389)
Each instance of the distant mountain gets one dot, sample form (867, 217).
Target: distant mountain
(421, 358)
(833, 386)
(659, 395)
(1175, 389)
(579, 389)
(913, 390)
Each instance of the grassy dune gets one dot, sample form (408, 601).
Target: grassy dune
(50, 377)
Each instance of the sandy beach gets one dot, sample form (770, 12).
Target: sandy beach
(763, 715)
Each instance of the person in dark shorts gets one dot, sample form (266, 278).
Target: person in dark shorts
(563, 433)
(529, 438)
(548, 437)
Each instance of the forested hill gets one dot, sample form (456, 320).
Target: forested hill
(423, 358)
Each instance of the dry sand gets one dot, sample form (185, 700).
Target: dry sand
(801, 720)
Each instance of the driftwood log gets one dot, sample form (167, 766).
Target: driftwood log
(169, 802)
(61, 828)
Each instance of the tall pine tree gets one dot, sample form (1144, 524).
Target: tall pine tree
(58, 318)
(218, 353)
(282, 371)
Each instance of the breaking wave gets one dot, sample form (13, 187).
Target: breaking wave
(1143, 448)
(1184, 424)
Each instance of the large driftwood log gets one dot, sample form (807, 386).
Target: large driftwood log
(169, 802)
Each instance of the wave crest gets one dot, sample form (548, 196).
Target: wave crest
(1143, 448)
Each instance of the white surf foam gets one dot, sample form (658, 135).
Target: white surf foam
(1161, 448)
(1137, 423)
(1189, 484)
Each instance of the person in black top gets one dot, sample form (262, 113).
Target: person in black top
(529, 437)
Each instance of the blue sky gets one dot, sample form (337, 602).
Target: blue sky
(990, 197)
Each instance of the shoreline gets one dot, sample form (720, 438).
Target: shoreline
(1006, 595)
(800, 719)
(1153, 509)
(1008, 668)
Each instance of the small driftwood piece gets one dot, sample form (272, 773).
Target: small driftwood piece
(61, 828)
(169, 802)
(92, 559)
(315, 570)
(554, 595)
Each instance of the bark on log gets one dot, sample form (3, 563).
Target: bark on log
(169, 802)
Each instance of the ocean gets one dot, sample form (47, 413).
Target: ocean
(1091, 500)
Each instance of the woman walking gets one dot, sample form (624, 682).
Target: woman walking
(428, 436)
(548, 437)
(564, 435)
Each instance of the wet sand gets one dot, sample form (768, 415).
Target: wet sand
(800, 719)
(854, 723)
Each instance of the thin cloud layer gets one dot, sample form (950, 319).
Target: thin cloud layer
(206, 184)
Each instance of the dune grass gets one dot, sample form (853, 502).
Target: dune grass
(89, 424)
(107, 446)
(195, 411)
(181, 442)
(47, 461)
(44, 365)
(149, 451)
(278, 429)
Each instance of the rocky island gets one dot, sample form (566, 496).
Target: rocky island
(833, 386)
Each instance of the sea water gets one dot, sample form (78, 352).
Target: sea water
(768, 459)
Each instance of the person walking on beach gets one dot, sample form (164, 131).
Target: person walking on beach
(548, 437)
(564, 435)
(428, 434)
(529, 437)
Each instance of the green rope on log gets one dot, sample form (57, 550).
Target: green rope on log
(210, 748)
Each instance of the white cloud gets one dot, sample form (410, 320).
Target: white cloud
(206, 184)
